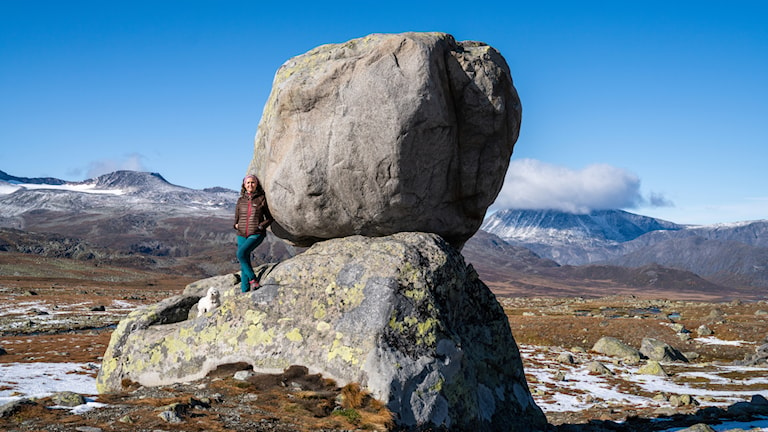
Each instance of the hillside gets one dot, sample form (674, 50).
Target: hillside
(139, 219)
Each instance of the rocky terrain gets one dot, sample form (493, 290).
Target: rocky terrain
(68, 318)
(383, 296)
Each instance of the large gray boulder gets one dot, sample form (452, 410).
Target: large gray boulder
(402, 315)
(658, 350)
(384, 134)
(614, 347)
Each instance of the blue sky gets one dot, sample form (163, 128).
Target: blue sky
(656, 107)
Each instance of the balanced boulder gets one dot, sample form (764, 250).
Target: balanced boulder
(402, 315)
(384, 134)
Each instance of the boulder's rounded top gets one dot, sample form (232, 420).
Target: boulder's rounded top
(387, 133)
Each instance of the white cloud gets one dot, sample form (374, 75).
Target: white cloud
(532, 184)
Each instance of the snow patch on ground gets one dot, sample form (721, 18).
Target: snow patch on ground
(37, 380)
(85, 188)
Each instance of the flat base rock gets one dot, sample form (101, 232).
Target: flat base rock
(402, 315)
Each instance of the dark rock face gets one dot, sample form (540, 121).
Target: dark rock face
(384, 134)
(402, 315)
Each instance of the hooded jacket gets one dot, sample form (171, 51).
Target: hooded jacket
(252, 215)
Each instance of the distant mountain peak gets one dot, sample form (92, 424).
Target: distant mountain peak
(129, 179)
(559, 226)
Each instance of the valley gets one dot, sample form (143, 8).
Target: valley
(68, 318)
(73, 262)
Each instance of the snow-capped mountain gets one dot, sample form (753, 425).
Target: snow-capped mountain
(120, 189)
(735, 253)
(125, 216)
(572, 238)
(143, 215)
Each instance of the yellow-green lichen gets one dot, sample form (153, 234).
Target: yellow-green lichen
(294, 335)
(323, 326)
(346, 353)
(438, 386)
(425, 331)
(318, 310)
(257, 334)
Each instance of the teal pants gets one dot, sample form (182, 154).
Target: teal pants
(244, 248)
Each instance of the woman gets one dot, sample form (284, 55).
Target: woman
(252, 218)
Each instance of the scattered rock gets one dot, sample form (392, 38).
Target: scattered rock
(243, 375)
(703, 330)
(652, 367)
(126, 419)
(657, 350)
(598, 368)
(677, 327)
(88, 429)
(756, 406)
(100, 308)
(691, 355)
(67, 399)
(566, 358)
(682, 400)
(171, 417)
(759, 357)
(700, 427)
(12, 407)
(614, 347)
(716, 316)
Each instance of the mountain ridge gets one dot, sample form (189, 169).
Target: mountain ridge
(141, 213)
(725, 254)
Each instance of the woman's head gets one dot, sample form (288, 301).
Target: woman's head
(251, 184)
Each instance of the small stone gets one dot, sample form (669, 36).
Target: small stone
(703, 330)
(88, 429)
(682, 400)
(243, 375)
(653, 367)
(700, 427)
(691, 355)
(170, 417)
(125, 419)
(566, 358)
(11, 407)
(68, 399)
(598, 368)
(677, 327)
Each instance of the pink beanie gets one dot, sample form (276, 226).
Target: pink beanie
(250, 176)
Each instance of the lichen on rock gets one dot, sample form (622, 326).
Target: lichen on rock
(402, 315)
